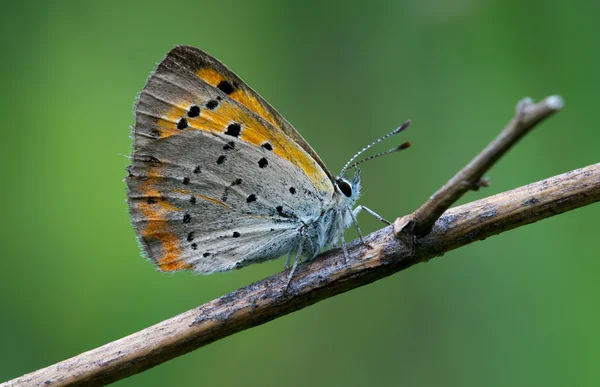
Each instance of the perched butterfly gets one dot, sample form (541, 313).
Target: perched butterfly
(220, 180)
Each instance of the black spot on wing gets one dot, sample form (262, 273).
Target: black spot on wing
(186, 180)
(234, 130)
(190, 236)
(263, 162)
(194, 111)
(212, 104)
(229, 146)
(205, 255)
(267, 146)
(197, 169)
(187, 218)
(221, 159)
(251, 198)
(193, 199)
(225, 87)
(194, 246)
(236, 234)
(292, 190)
(182, 124)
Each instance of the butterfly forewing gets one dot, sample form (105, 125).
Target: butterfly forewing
(215, 182)
(216, 74)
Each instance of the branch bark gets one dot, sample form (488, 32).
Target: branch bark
(387, 251)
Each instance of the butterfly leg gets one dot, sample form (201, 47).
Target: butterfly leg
(360, 235)
(288, 260)
(298, 257)
(343, 242)
(370, 211)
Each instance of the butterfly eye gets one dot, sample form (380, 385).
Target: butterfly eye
(344, 187)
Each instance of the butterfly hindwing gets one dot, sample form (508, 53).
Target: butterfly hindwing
(215, 202)
(214, 183)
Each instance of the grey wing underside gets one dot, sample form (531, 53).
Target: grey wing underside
(209, 201)
(225, 215)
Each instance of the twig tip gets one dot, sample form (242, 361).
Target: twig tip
(555, 102)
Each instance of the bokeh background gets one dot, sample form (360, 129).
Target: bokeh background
(517, 309)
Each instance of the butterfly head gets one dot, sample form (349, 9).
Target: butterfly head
(349, 190)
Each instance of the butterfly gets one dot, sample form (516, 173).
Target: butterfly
(219, 179)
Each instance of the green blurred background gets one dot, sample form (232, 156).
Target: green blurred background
(517, 309)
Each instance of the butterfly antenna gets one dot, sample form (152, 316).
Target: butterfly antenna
(393, 150)
(395, 131)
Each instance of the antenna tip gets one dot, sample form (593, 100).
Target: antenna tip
(404, 146)
(405, 125)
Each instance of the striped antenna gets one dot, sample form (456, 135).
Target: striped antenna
(395, 131)
(393, 150)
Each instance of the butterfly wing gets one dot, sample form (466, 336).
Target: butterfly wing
(214, 182)
(216, 74)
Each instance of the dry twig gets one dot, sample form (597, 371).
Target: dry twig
(387, 251)
(527, 115)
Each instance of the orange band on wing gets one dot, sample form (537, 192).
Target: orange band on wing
(158, 228)
(252, 103)
(252, 131)
(170, 260)
(213, 78)
(167, 125)
(210, 76)
(158, 225)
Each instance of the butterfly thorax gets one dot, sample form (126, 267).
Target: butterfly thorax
(329, 226)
